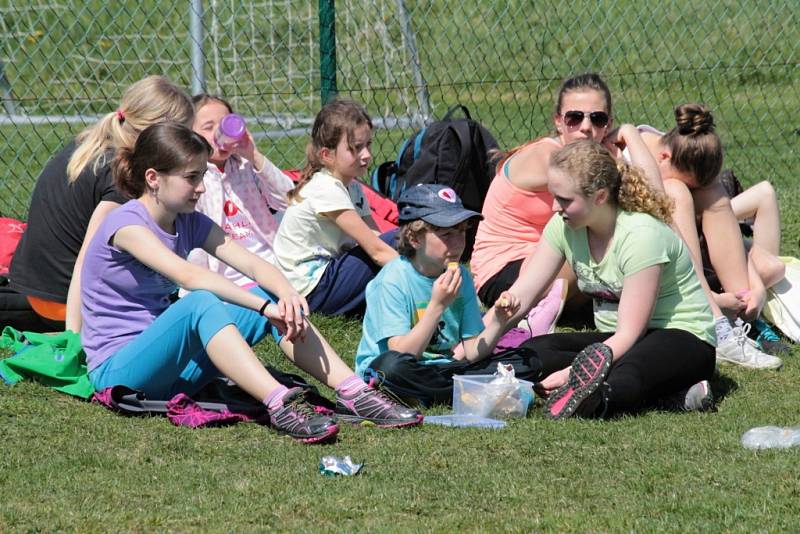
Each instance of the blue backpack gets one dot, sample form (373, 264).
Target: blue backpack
(460, 153)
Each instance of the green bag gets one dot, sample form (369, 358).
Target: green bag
(55, 360)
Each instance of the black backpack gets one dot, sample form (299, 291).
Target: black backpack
(460, 153)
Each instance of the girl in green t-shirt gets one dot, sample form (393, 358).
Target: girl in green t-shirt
(656, 337)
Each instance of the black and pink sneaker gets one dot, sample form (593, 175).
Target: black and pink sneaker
(301, 420)
(589, 370)
(370, 406)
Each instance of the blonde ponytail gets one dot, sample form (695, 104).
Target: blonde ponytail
(149, 101)
(91, 145)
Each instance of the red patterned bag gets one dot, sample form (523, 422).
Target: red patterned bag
(10, 233)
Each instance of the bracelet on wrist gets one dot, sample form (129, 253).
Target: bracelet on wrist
(263, 308)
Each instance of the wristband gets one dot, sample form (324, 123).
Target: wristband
(264, 307)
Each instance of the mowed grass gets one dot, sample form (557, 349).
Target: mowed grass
(70, 465)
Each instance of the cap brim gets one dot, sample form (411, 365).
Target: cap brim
(448, 218)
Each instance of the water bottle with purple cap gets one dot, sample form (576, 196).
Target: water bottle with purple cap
(230, 132)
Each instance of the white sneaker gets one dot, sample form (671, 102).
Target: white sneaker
(697, 398)
(741, 350)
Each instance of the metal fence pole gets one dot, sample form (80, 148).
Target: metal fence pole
(423, 98)
(327, 50)
(5, 92)
(198, 55)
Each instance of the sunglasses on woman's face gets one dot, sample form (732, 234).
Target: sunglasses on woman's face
(599, 119)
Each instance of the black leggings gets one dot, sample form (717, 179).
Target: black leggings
(499, 282)
(417, 383)
(664, 361)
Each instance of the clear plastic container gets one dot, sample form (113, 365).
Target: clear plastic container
(230, 132)
(476, 395)
(771, 437)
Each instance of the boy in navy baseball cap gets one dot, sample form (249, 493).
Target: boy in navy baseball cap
(423, 304)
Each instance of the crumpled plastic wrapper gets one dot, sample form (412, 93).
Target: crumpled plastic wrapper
(501, 397)
(504, 374)
(336, 465)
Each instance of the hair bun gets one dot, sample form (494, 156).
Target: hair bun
(694, 119)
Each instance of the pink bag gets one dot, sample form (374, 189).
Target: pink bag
(11, 231)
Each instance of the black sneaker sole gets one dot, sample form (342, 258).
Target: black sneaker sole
(579, 385)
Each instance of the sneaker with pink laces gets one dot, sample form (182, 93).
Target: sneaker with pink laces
(297, 418)
(589, 370)
(372, 406)
(543, 317)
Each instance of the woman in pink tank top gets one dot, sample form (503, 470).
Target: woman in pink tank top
(518, 204)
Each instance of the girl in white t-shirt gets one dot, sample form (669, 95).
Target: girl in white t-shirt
(245, 193)
(328, 245)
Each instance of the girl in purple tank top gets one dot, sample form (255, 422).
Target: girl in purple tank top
(134, 336)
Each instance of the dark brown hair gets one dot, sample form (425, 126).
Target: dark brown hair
(165, 147)
(589, 81)
(202, 99)
(336, 119)
(694, 146)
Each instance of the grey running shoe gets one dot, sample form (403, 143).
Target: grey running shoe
(372, 406)
(741, 350)
(301, 421)
(697, 398)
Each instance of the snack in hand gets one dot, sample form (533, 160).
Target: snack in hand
(452, 265)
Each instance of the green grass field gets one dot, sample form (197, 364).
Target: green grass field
(66, 465)
(69, 465)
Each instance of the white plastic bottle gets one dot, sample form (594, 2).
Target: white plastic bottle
(771, 437)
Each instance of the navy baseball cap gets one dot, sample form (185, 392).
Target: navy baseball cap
(435, 204)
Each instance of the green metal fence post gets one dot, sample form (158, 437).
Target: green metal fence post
(327, 50)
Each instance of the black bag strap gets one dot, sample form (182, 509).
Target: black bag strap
(449, 115)
(382, 175)
(461, 130)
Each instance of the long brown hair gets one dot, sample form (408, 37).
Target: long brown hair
(696, 149)
(336, 119)
(593, 168)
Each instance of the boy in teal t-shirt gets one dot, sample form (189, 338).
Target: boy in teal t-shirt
(423, 304)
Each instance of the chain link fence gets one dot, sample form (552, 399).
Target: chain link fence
(64, 62)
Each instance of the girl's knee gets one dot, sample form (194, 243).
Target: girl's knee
(766, 194)
(202, 301)
(201, 297)
(770, 268)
